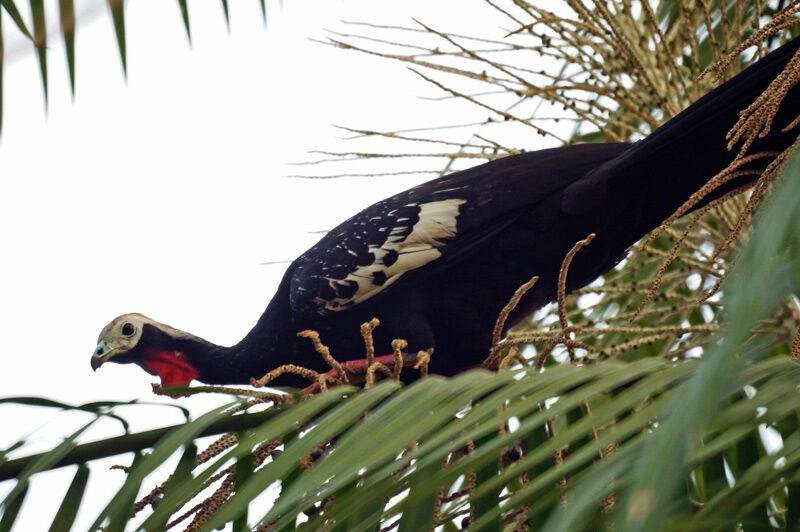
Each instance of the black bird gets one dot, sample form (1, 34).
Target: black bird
(438, 262)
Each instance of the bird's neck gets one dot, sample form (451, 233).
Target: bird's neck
(267, 346)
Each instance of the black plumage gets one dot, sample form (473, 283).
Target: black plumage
(437, 263)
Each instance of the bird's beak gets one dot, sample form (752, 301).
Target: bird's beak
(102, 353)
(97, 361)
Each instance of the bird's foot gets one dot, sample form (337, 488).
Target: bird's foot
(362, 371)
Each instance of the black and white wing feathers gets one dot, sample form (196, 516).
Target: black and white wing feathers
(431, 226)
(370, 251)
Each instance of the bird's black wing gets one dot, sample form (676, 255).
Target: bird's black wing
(430, 226)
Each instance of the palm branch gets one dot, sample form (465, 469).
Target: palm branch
(36, 31)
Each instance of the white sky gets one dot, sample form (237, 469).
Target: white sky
(164, 194)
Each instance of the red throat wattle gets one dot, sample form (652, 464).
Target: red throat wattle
(172, 366)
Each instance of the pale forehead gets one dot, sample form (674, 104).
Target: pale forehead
(140, 320)
(134, 317)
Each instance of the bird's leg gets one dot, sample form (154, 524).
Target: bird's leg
(356, 370)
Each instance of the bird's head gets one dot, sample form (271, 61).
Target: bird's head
(157, 348)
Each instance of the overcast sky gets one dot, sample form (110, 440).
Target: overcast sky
(164, 195)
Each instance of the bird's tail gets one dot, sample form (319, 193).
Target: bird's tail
(647, 183)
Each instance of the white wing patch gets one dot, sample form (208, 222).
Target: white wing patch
(402, 251)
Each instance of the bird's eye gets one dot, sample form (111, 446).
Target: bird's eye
(128, 329)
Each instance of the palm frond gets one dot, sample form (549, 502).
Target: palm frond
(36, 32)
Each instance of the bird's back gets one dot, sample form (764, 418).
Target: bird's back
(508, 226)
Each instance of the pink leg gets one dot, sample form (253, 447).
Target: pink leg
(356, 369)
